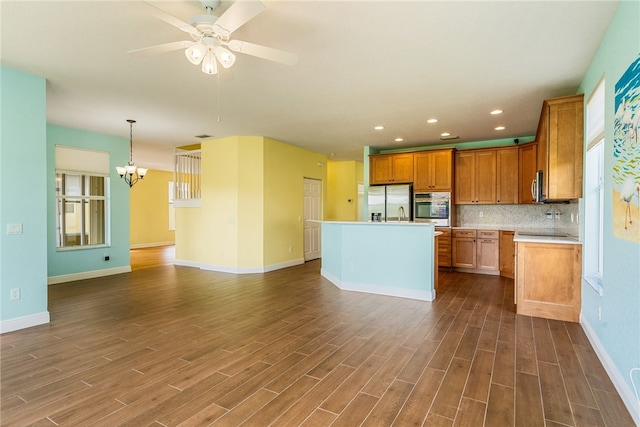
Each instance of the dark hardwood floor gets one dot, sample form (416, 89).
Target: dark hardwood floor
(167, 346)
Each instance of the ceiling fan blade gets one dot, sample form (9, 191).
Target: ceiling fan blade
(161, 48)
(264, 52)
(172, 20)
(238, 14)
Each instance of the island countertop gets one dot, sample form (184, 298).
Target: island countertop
(388, 258)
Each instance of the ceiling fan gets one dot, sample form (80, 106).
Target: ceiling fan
(211, 36)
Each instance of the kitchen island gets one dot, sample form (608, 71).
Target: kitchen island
(388, 258)
(548, 274)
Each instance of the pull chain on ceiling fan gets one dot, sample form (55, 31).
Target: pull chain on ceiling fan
(211, 37)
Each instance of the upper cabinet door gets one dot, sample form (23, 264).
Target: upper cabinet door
(465, 178)
(379, 169)
(527, 158)
(507, 175)
(391, 168)
(402, 168)
(560, 147)
(486, 177)
(433, 171)
(442, 170)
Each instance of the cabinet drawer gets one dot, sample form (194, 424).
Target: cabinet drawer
(488, 234)
(444, 242)
(464, 233)
(446, 232)
(444, 260)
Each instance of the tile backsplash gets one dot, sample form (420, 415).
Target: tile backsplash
(520, 216)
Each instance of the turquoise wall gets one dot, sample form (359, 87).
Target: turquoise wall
(85, 260)
(618, 331)
(389, 258)
(23, 257)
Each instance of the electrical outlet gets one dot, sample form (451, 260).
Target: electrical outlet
(481, 214)
(599, 313)
(290, 249)
(106, 257)
(15, 294)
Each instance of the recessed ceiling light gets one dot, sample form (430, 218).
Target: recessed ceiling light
(398, 140)
(495, 112)
(432, 121)
(379, 127)
(500, 128)
(445, 134)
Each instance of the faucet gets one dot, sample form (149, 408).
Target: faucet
(401, 214)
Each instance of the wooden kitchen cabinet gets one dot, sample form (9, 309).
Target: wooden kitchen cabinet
(507, 175)
(390, 168)
(548, 280)
(475, 177)
(560, 147)
(475, 251)
(433, 170)
(444, 247)
(507, 254)
(527, 168)
(487, 250)
(463, 245)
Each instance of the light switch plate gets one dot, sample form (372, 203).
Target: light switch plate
(15, 228)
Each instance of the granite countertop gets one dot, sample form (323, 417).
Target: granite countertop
(545, 236)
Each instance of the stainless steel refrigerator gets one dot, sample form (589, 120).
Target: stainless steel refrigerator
(390, 201)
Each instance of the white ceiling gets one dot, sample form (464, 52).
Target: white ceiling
(361, 63)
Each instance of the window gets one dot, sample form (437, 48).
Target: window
(594, 190)
(82, 198)
(81, 210)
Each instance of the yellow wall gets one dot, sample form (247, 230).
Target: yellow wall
(342, 181)
(285, 168)
(190, 246)
(149, 210)
(252, 205)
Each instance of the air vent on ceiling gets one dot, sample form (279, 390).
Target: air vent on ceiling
(203, 136)
(446, 138)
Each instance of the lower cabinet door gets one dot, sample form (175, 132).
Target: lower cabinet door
(464, 252)
(548, 280)
(488, 254)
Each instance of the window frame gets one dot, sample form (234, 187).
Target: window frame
(594, 189)
(62, 199)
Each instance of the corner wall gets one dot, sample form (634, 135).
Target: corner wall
(616, 334)
(23, 185)
(149, 210)
(84, 263)
(342, 182)
(251, 214)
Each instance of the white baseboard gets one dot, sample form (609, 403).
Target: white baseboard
(379, 290)
(631, 401)
(87, 275)
(151, 245)
(235, 270)
(23, 322)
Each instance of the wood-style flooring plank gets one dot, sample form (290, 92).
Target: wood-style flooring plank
(167, 345)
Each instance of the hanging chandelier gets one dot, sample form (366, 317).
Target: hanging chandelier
(131, 173)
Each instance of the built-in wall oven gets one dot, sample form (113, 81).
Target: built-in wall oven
(432, 207)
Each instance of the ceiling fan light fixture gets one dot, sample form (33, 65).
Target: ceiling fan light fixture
(209, 65)
(226, 58)
(195, 53)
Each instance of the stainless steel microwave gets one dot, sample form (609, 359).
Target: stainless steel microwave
(432, 207)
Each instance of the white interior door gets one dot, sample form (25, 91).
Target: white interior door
(312, 211)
